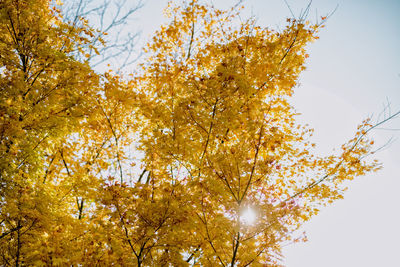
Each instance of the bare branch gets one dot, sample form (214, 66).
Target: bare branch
(112, 19)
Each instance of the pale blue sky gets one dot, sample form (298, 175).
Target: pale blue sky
(351, 71)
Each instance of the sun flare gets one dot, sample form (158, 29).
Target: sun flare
(248, 216)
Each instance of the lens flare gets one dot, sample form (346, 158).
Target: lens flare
(248, 216)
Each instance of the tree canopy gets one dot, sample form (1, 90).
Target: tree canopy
(196, 159)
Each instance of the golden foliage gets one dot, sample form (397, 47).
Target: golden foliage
(208, 110)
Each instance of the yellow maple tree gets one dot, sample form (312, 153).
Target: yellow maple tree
(227, 174)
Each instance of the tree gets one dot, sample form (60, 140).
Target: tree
(49, 149)
(208, 110)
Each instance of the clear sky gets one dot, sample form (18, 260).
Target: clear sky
(352, 70)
